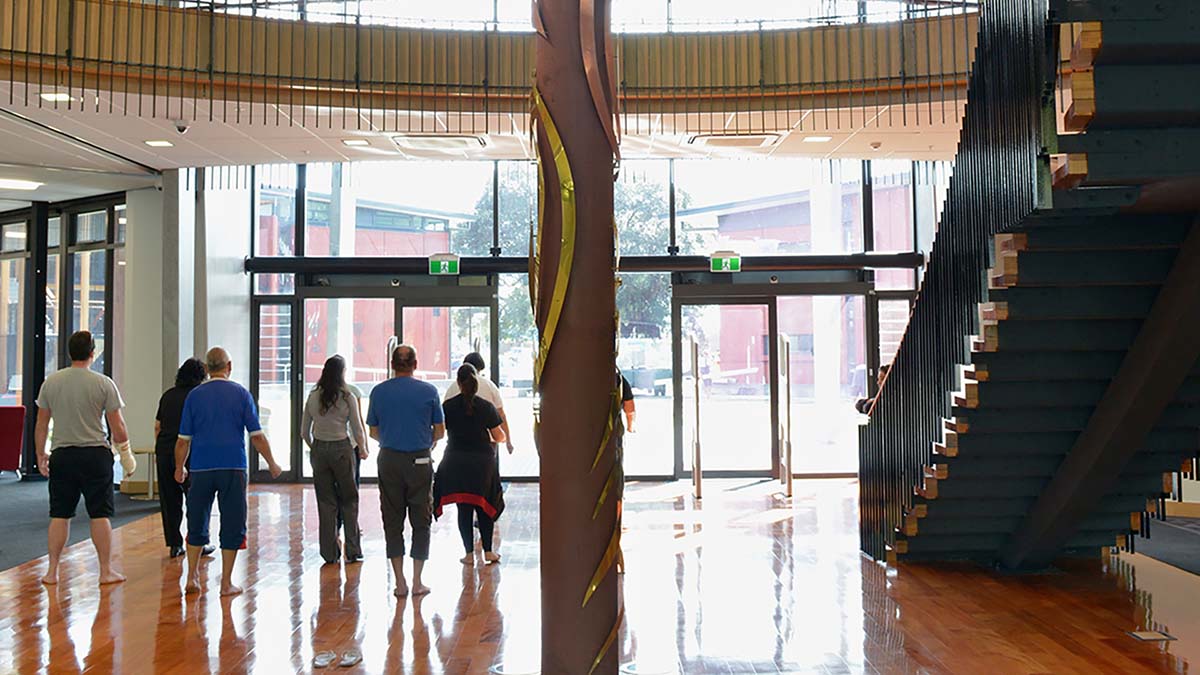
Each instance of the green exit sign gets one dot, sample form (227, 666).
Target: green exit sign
(443, 265)
(725, 261)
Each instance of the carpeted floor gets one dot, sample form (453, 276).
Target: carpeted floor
(1175, 541)
(24, 512)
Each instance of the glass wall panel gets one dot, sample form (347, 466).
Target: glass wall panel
(87, 299)
(641, 207)
(14, 237)
(893, 320)
(442, 336)
(718, 15)
(274, 284)
(91, 227)
(122, 222)
(12, 346)
(276, 234)
(644, 357)
(892, 212)
(640, 16)
(735, 377)
(828, 342)
(518, 343)
(358, 330)
(54, 232)
(413, 208)
(518, 205)
(769, 207)
(275, 378)
(53, 309)
(118, 323)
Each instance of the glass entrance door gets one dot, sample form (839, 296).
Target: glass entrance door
(736, 426)
(442, 336)
(828, 342)
(364, 330)
(359, 330)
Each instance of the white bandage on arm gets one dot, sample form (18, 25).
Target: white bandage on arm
(128, 461)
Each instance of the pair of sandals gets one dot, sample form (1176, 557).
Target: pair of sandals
(349, 659)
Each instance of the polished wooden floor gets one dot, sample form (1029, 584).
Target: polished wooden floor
(747, 582)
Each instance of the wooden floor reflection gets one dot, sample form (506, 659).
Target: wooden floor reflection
(749, 582)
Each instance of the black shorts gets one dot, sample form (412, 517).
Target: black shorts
(81, 471)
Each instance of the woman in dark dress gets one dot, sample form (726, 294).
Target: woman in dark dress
(468, 475)
(166, 431)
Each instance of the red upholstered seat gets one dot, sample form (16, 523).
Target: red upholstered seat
(12, 436)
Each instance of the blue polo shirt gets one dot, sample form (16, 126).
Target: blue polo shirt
(405, 410)
(216, 417)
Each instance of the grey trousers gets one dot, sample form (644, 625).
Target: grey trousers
(406, 488)
(333, 477)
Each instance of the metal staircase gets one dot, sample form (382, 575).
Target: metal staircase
(1076, 395)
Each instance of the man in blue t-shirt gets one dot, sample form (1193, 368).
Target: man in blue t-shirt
(405, 416)
(216, 417)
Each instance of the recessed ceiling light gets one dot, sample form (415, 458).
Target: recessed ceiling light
(160, 144)
(55, 96)
(439, 142)
(17, 184)
(817, 139)
(356, 142)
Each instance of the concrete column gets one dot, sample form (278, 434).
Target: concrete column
(226, 285)
(151, 342)
(200, 335)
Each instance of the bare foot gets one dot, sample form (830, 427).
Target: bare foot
(50, 578)
(193, 586)
(468, 559)
(111, 578)
(230, 590)
(419, 590)
(401, 591)
(491, 557)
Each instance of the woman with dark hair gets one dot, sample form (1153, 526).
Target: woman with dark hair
(332, 429)
(166, 432)
(468, 475)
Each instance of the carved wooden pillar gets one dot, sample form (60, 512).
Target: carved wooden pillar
(573, 295)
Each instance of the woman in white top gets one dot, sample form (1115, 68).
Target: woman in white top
(332, 429)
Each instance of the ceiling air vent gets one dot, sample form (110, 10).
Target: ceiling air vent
(452, 143)
(734, 140)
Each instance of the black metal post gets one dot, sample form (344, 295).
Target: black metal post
(34, 358)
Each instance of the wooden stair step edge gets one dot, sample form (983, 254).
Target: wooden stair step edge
(928, 490)
(968, 397)
(1083, 100)
(1072, 172)
(942, 450)
(988, 340)
(1088, 42)
(1010, 242)
(993, 311)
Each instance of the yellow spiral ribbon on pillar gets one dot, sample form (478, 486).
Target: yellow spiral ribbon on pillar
(566, 194)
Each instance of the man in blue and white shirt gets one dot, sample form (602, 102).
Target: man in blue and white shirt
(216, 417)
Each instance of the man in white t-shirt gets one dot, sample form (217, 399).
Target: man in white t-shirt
(488, 391)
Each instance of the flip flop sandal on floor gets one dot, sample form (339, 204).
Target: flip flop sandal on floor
(350, 658)
(324, 659)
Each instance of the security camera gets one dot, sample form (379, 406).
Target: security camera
(395, 282)
(774, 279)
(181, 126)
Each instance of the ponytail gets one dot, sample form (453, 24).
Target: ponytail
(468, 386)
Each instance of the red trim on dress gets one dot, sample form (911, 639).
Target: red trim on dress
(465, 498)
